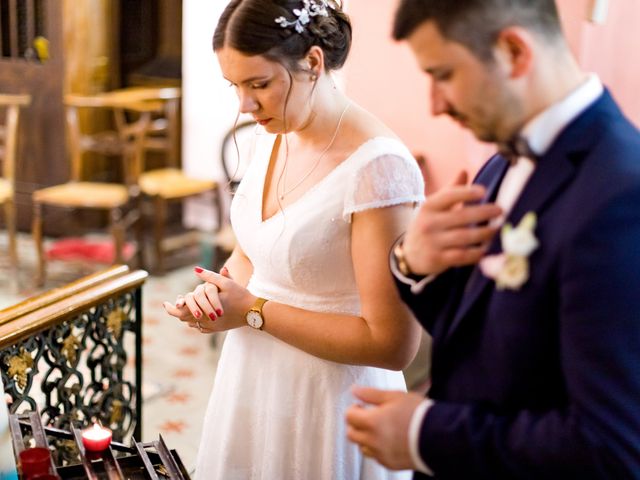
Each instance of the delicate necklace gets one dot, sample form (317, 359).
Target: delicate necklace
(286, 192)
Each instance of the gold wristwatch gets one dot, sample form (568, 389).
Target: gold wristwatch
(254, 315)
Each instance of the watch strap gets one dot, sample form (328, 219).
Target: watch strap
(259, 303)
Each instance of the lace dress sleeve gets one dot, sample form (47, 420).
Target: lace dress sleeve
(384, 181)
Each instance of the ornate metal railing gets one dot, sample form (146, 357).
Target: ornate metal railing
(74, 354)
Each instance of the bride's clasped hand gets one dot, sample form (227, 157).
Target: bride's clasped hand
(218, 304)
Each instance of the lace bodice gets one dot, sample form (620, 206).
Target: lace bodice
(302, 255)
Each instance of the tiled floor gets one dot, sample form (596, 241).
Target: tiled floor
(178, 368)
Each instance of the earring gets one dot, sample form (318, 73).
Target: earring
(314, 77)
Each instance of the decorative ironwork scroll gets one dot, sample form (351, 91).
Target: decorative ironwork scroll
(83, 368)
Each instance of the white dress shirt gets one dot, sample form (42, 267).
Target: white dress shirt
(540, 133)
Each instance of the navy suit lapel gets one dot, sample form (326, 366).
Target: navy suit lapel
(492, 177)
(554, 170)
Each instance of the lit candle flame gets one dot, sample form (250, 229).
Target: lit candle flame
(97, 432)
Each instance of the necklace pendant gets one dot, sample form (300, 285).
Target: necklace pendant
(286, 192)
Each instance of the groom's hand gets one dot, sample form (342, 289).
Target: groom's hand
(380, 427)
(450, 229)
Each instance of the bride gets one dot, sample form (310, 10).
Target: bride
(306, 296)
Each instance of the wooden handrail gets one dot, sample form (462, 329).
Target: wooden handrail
(43, 311)
(56, 294)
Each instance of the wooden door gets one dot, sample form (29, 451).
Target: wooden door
(49, 48)
(32, 62)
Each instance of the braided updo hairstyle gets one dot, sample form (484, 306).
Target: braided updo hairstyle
(249, 26)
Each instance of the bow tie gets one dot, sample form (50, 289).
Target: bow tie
(516, 148)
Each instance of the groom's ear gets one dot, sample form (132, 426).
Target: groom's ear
(514, 51)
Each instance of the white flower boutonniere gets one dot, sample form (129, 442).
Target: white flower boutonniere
(510, 269)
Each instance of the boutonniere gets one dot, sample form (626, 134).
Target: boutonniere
(510, 269)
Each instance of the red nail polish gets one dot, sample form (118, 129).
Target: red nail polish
(199, 269)
(197, 314)
(212, 316)
(219, 311)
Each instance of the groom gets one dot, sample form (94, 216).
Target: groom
(529, 279)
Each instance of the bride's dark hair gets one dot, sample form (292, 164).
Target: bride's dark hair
(250, 27)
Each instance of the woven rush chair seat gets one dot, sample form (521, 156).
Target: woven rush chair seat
(84, 194)
(163, 184)
(146, 120)
(120, 150)
(172, 183)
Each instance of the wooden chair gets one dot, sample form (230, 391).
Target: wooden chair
(160, 186)
(235, 159)
(235, 156)
(114, 198)
(11, 105)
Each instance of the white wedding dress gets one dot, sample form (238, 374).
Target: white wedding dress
(276, 412)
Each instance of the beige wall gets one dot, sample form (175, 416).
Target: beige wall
(382, 76)
(209, 106)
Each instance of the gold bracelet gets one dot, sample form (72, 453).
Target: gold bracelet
(403, 266)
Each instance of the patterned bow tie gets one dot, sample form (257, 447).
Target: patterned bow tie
(516, 148)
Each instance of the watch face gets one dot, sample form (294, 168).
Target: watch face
(254, 319)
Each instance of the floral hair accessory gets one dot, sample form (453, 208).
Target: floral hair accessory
(510, 269)
(310, 8)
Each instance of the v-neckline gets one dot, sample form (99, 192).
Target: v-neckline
(313, 187)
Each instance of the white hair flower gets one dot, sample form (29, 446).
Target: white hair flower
(310, 8)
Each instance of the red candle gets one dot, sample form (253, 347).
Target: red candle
(96, 438)
(34, 461)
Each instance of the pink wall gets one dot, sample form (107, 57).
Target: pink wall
(381, 75)
(611, 50)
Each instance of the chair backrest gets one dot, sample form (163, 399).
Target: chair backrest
(162, 105)
(235, 153)
(11, 105)
(115, 140)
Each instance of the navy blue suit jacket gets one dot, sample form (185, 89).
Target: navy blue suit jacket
(544, 382)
